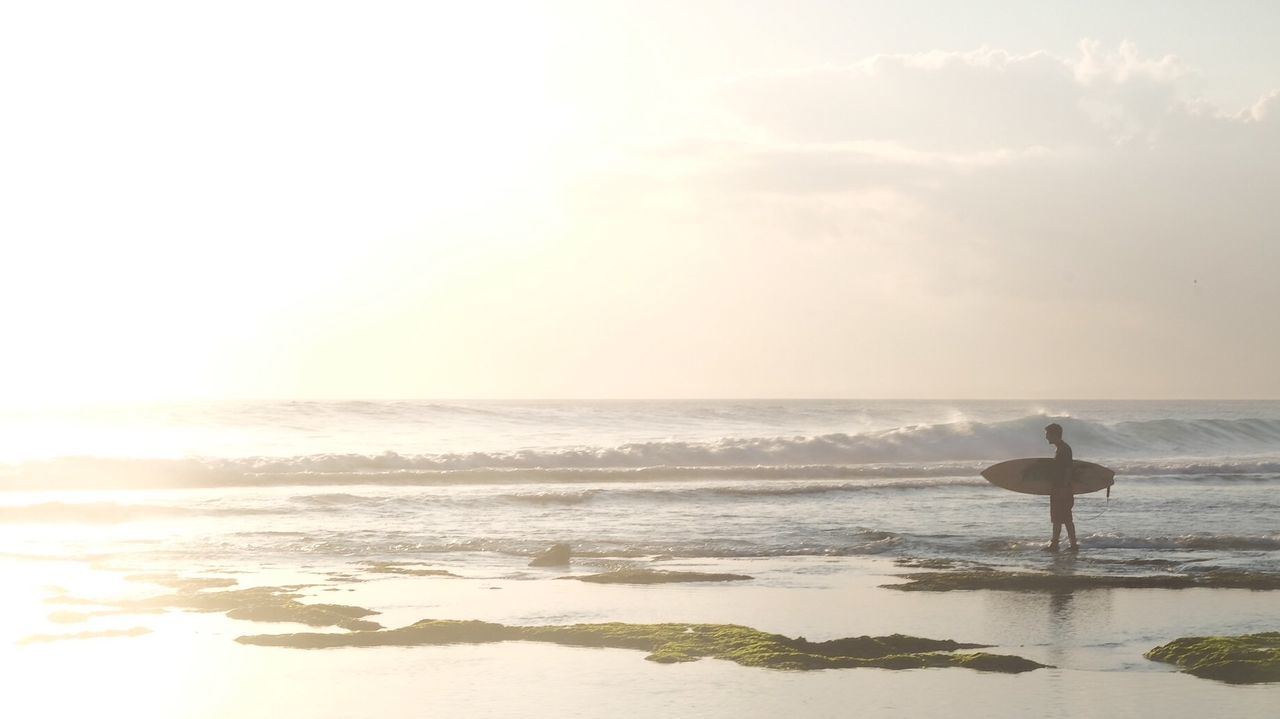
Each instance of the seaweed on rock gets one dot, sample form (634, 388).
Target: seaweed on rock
(400, 568)
(657, 576)
(1243, 659)
(259, 604)
(672, 643)
(1046, 582)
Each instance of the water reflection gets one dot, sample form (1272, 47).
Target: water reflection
(1071, 626)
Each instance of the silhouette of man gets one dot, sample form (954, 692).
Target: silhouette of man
(1061, 498)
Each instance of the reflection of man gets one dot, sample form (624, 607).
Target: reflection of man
(1061, 498)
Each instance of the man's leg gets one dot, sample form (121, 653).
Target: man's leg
(1057, 532)
(1071, 533)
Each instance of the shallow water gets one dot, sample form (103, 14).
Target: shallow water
(813, 499)
(1147, 525)
(294, 481)
(189, 665)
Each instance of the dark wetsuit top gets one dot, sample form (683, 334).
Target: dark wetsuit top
(1062, 499)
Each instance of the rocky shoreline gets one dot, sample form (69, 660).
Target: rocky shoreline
(672, 643)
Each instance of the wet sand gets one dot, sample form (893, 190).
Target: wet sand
(189, 663)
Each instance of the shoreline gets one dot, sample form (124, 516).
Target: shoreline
(697, 586)
(1091, 639)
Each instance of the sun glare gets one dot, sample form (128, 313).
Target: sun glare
(210, 216)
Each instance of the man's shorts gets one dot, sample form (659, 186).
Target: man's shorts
(1060, 507)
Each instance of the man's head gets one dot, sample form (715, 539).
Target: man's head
(1053, 433)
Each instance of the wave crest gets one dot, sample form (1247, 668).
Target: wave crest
(1199, 447)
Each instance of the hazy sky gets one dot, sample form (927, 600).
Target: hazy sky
(644, 199)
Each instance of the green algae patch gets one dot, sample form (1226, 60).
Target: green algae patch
(1006, 663)
(408, 571)
(259, 604)
(314, 615)
(929, 563)
(1243, 659)
(104, 634)
(675, 643)
(657, 576)
(180, 583)
(63, 616)
(1037, 582)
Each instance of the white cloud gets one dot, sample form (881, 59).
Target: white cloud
(981, 99)
(1028, 224)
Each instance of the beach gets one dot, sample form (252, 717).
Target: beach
(190, 665)
(157, 600)
(557, 359)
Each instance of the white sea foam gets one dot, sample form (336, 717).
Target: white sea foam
(1168, 447)
(444, 481)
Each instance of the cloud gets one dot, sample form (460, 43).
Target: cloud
(976, 100)
(930, 117)
(985, 200)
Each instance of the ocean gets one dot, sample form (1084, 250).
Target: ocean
(486, 483)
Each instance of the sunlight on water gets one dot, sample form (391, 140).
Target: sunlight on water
(786, 492)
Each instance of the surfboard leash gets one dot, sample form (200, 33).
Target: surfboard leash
(1105, 507)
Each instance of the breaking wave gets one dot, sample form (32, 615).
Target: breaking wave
(1165, 447)
(731, 491)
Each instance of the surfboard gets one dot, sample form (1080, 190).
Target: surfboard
(1034, 475)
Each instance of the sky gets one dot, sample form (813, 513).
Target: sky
(662, 199)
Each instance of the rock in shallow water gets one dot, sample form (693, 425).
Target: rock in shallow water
(260, 604)
(672, 643)
(557, 556)
(655, 576)
(1243, 659)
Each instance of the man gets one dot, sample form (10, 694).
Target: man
(1061, 499)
